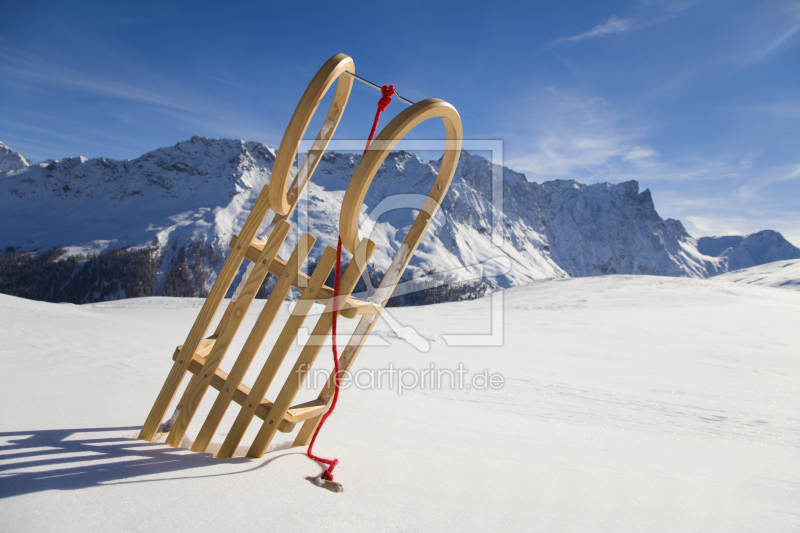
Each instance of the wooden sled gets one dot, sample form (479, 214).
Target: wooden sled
(201, 356)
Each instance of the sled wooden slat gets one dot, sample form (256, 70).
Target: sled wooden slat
(206, 315)
(240, 308)
(241, 393)
(203, 350)
(295, 414)
(309, 353)
(349, 309)
(226, 315)
(354, 307)
(253, 342)
(307, 410)
(278, 353)
(192, 381)
(217, 380)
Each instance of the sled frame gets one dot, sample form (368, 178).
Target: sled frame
(201, 355)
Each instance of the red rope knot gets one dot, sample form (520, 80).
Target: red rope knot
(328, 473)
(387, 91)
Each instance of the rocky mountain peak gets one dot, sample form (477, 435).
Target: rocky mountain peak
(744, 251)
(11, 161)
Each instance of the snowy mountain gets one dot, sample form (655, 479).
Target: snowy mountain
(744, 251)
(11, 160)
(587, 230)
(161, 223)
(782, 274)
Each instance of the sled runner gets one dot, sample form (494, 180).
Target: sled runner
(201, 355)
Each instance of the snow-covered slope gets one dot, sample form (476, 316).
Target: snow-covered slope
(783, 274)
(744, 251)
(629, 403)
(183, 204)
(11, 160)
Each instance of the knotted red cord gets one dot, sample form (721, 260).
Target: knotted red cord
(387, 91)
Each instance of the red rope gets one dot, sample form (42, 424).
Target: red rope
(328, 474)
(387, 92)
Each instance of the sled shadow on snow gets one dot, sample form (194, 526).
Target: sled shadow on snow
(68, 459)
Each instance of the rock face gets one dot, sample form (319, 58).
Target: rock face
(745, 251)
(589, 230)
(171, 213)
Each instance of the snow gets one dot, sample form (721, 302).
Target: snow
(629, 403)
(743, 251)
(783, 274)
(10, 160)
(389, 281)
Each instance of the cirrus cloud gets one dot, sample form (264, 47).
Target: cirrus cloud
(613, 25)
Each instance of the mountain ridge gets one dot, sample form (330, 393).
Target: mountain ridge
(745, 251)
(185, 202)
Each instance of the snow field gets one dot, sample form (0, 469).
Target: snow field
(630, 403)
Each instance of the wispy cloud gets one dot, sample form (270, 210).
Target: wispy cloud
(723, 208)
(720, 223)
(589, 140)
(769, 177)
(64, 78)
(614, 25)
(128, 82)
(781, 110)
(700, 226)
(640, 153)
(568, 136)
(776, 44)
(651, 12)
(577, 137)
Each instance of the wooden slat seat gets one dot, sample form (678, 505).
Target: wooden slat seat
(294, 415)
(352, 307)
(203, 351)
(305, 411)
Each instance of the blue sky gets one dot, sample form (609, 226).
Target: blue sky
(697, 100)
